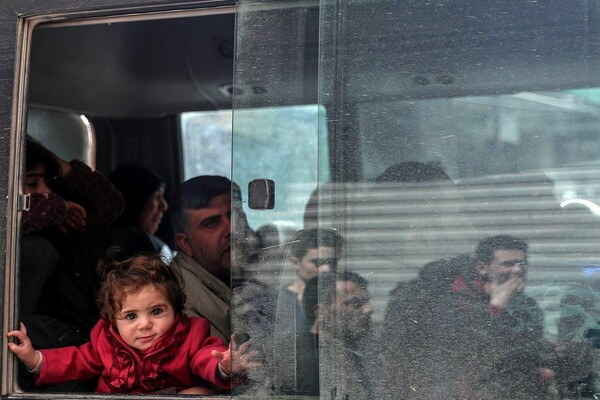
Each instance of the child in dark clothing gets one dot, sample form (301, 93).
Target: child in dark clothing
(66, 195)
(143, 343)
(65, 198)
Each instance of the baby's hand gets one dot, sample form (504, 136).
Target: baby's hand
(23, 349)
(237, 359)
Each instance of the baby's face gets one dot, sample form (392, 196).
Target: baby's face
(145, 317)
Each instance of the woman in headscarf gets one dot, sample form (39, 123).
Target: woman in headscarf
(145, 204)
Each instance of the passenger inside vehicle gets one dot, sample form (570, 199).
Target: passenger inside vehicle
(338, 306)
(143, 342)
(414, 171)
(484, 335)
(310, 252)
(202, 216)
(65, 199)
(143, 191)
(71, 209)
(410, 320)
(425, 129)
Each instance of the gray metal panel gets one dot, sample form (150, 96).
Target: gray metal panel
(68, 135)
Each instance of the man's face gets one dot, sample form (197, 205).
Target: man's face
(317, 260)
(208, 236)
(504, 265)
(353, 308)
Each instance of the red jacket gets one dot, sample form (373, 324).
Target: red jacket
(180, 356)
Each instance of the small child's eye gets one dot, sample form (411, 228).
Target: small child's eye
(130, 317)
(156, 311)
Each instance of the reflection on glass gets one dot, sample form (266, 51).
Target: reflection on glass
(479, 245)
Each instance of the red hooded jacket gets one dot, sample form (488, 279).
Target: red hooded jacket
(180, 356)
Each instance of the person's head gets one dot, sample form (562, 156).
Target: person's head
(314, 250)
(414, 171)
(41, 168)
(140, 296)
(202, 217)
(437, 276)
(143, 191)
(498, 257)
(340, 302)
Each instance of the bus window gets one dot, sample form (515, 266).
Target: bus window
(121, 81)
(284, 133)
(455, 130)
(434, 164)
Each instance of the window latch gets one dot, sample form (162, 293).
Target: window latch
(24, 202)
(261, 194)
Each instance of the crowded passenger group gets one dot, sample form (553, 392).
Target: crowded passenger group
(124, 311)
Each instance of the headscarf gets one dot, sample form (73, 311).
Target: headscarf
(136, 184)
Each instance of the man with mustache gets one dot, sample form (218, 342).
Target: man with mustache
(341, 338)
(202, 217)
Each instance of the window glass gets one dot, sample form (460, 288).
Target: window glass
(277, 143)
(459, 218)
(206, 139)
(474, 120)
(280, 134)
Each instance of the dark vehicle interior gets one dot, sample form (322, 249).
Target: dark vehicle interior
(131, 79)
